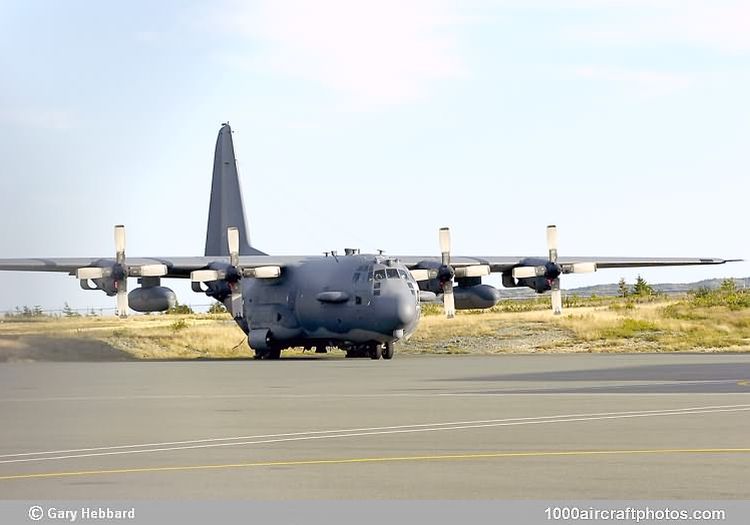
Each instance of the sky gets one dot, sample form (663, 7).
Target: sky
(373, 124)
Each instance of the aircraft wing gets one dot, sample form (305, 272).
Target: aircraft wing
(500, 264)
(180, 267)
(177, 267)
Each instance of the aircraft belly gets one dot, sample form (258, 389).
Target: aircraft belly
(355, 335)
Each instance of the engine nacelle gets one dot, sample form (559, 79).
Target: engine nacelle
(476, 297)
(152, 299)
(259, 339)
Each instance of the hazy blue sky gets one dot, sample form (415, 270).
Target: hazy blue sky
(372, 124)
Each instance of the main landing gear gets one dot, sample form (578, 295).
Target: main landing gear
(372, 350)
(272, 353)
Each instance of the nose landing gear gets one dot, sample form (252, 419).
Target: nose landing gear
(372, 350)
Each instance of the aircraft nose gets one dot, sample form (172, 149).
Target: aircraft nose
(406, 309)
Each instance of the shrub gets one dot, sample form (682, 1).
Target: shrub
(180, 309)
(217, 308)
(179, 324)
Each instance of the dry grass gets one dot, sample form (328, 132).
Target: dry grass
(143, 337)
(612, 326)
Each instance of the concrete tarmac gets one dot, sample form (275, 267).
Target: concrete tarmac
(461, 427)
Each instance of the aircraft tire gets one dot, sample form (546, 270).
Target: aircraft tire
(273, 353)
(388, 351)
(376, 351)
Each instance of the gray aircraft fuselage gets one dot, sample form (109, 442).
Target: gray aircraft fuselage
(346, 301)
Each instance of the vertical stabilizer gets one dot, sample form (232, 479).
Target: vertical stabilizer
(226, 208)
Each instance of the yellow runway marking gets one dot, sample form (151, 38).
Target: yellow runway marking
(745, 382)
(344, 461)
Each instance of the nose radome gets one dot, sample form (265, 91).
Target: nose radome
(406, 309)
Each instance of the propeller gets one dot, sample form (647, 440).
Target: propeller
(234, 273)
(552, 270)
(446, 273)
(119, 272)
(233, 241)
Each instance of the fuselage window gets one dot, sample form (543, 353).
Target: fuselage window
(392, 273)
(379, 275)
(356, 277)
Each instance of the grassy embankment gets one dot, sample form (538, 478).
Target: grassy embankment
(702, 322)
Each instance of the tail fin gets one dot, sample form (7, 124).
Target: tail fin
(226, 208)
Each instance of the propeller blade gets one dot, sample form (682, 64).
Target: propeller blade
(556, 297)
(445, 245)
(120, 243)
(478, 270)
(237, 306)
(420, 275)
(233, 241)
(203, 276)
(449, 303)
(423, 275)
(85, 274)
(148, 270)
(524, 272)
(122, 300)
(585, 267)
(264, 272)
(552, 242)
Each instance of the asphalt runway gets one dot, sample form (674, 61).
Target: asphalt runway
(499, 427)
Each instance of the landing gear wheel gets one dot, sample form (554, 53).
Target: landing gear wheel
(273, 353)
(376, 351)
(388, 352)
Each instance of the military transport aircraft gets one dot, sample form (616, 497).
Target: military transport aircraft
(360, 303)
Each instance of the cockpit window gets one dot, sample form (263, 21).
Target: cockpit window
(392, 273)
(379, 275)
(402, 274)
